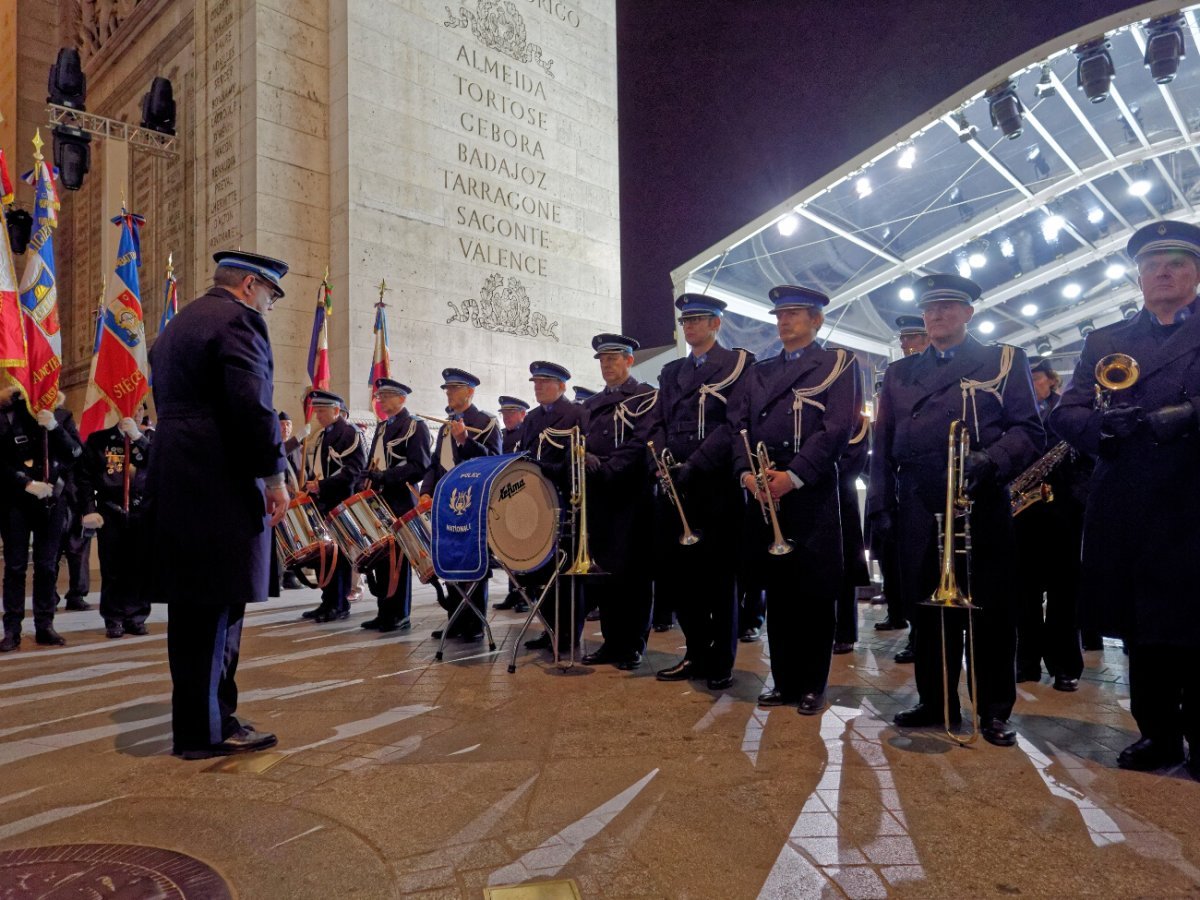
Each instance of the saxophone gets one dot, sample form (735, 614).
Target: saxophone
(1030, 486)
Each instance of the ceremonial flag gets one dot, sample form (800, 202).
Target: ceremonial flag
(39, 293)
(6, 186)
(170, 295)
(119, 384)
(95, 408)
(381, 362)
(13, 361)
(318, 347)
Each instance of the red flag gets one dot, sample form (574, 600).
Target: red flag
(13, 357)
(381, 362)
(6, 185)
(318, 347)
(39, 291)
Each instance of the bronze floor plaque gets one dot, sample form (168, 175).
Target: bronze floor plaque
(246, 763)
(112, 871)
(561, 889)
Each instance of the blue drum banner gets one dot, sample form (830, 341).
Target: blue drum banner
(460, 506)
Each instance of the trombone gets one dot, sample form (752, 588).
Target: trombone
(948, 594)
(1115, 372)
(760, 464)
(663, 465)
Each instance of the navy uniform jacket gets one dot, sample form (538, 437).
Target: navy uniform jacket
(555, 462)
(485, 443)
(101, 472)
(620, 511)
(23, 453)
(1141, 535)
(217, 438)
(403, 441)
(510, 438)
(763, 405)
(339, 459)
(851, 467)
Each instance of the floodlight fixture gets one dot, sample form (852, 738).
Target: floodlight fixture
(1004, 109)
(1164, 47)
(68, 84)
(158, 107)
(1095, 70)
(1129, 309)
(20, 226)
(72, 155)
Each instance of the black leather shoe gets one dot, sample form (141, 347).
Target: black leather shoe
(509, 602)
(924, 716)
(372, 624)
(1065, 684)
(630, 662)
(244, 741)
(340, 614)
(48, 637)
(1029, 673)
(521, 607)
(539, 643)
(843, 647)
(751, 635)
(720, 682)
(389, 625)
(660, 627)
(998, 732)
(137, 629)
(774, 697)
(601, 657)
(905, 656)
(889, 625)
(313, 613)
(811, 704)
(114, 630)
(77, 604)
(1149, 753)
(12, 640)
(681, 671)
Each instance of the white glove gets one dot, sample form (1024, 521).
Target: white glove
(93, 521)
(39, 489)
(307, 430)
(129, 428)
(46, 419)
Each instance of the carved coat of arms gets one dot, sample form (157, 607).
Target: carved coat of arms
(497, 24)
(503, 307)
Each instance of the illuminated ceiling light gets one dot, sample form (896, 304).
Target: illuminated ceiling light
(908, 157)
(965, 129)
(863, 186)
(788, 224)
(1045, 85)
(1095, 71)
(1029, 309)
(1095, 215)
(1114, 271)
(1140, 187)
(1164, 47)
(1004, 109)
(1006, 248)
(964, 268)
(1051, 226)
(987, 326)
(907, 294)
(1128, 309)
(977, 259)
(1072, 290)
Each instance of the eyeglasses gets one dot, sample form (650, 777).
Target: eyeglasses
(271, 290)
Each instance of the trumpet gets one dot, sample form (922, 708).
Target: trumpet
(948, 594)
(440, 421)
(760, 464)
(1115, 372)
(663, 464)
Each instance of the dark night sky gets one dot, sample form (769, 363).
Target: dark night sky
(727, 107)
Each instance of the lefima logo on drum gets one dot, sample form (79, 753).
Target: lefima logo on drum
(511, 489)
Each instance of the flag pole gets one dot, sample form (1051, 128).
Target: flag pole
(38, 162)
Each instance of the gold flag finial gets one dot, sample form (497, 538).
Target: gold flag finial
(170, 263)
(325, 277)
(38, 144)
(382, 288)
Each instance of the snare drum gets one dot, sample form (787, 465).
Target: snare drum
(301, 534)
(412, 531)
(362, 526)
(522, 517)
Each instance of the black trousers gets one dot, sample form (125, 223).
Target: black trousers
(752, 603)
(1164, 693)
(122, 549)
(77, 549)
(802, 590)
(467, 622)
(1048, 544)
(898, 609)
(203, 644)
(334, 595)
(21, 518)
(624, 602)
(398, 604)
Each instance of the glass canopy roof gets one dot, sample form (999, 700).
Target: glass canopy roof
(1039, 220)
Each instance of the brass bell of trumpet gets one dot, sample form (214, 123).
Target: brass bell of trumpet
(1115, 372)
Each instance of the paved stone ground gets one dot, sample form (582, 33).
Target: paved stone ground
(401, 776)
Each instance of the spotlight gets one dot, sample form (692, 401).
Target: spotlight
(1095, 70)
(965, 129)
(1114, 271)
(158, 107)
(72, 155)
(964, 267)
(20, 227)
(1140, 187)
(863, 187)
(966, 211)
(1051, 226)
(1072, 290)
(1129, 309)
(987, 326)
(907, 158)
(1005, 108)
(1095, 215)
(1006, 248)
(1043, 346)
(977, 254)
(1086, 327)
(907, 294)
(1041, 168)
(1029, 309)
(788, 224)
(1045, 85)
(1164, 47)
(68, 84)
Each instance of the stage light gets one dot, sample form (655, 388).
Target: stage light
(1029, 309)
(1164, 47)
(1072, 289)
(1114, 271)
(20, 226)
(1086, 327)
(1129, 309)
(907, 294)
(1051, 226)
(1043, 346)
(863, 187)
(908, 157)
(977, 259)
(1140, 187)
(1005, 108)
(987, 326)
(1095, 71)
(1041, 168)
(158, 107)
(1006, 248)
(1095, 215)
(965, 129)
(68, 84)
(72, 155)
(966, 211)
(964, 267)
(1045, 85)
(788, 224)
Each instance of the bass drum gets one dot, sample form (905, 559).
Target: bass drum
(523, 517)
